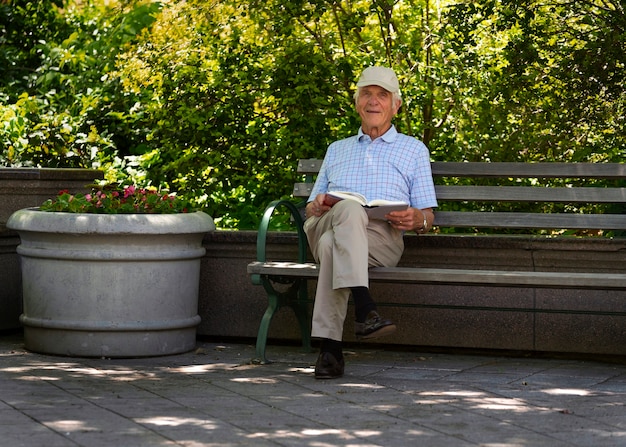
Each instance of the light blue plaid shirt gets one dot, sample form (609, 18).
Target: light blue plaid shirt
(392, 167)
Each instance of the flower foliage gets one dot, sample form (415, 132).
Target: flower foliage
(123, 200)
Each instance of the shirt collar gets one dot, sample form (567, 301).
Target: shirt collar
(387, 137)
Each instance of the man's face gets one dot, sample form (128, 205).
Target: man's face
(376, 108)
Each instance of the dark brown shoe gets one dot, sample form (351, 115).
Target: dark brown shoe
(328, 367)
(373, 327)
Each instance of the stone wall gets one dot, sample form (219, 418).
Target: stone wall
(30, 187)
(25, 188)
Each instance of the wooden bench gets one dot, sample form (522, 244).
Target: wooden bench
(497, 185)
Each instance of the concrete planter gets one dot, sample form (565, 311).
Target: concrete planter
(110, 285)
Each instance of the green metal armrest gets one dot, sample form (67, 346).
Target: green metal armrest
(261, 241)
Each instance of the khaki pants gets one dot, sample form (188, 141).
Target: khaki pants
(346, 244)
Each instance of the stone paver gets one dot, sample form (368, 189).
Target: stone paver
(214, 396)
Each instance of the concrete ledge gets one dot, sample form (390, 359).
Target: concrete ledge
(524, 319)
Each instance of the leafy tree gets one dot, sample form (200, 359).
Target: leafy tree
(234, 94)
(218, 99)
(64, 111)
(543, 80)
(25, 26)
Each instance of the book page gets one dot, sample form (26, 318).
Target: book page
(383, 202)
(335, 196)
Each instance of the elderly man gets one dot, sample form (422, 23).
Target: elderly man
(379, 163)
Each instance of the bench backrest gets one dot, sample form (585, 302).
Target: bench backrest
(474, 182)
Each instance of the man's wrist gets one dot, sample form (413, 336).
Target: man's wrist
(424, 228)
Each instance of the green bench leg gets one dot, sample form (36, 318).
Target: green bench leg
(300, 307)
(296, 298)
(261, 338)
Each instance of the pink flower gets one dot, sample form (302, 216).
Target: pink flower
(129, 191)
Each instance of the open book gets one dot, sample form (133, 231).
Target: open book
(375, 209)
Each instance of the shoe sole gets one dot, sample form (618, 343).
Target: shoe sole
(382, 332)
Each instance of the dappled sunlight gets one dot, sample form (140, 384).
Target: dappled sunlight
(36, 372)
(445, 397)
(567, 392)
(70, 426)
(319, 432)
(367, 433)
(478, 400)
(172, 421)
(618, 434)
(255, 380)
(483, 401)
(37, 378)
(308, 433)
(28, 368)
(208, 367)
(385, 408)
(502, 404)
(331, 437)
(44, 372)
(365, 386)
(460, 393)
(13, 354)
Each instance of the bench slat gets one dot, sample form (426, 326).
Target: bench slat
(456, 276)
(530, 220)
(516, 220)
(512, 193)
(508, 169)
(302, 190)
(531, 194)
(310, 166)
(530, 170)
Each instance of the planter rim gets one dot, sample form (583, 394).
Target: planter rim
(34, 220)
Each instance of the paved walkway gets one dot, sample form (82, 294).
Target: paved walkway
(215, 397)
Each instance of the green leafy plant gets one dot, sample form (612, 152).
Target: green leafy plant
(219, 99)
(118, 200)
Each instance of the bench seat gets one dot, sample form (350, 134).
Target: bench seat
(425, 275)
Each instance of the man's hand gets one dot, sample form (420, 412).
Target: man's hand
(317, 207)
(412, 219)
